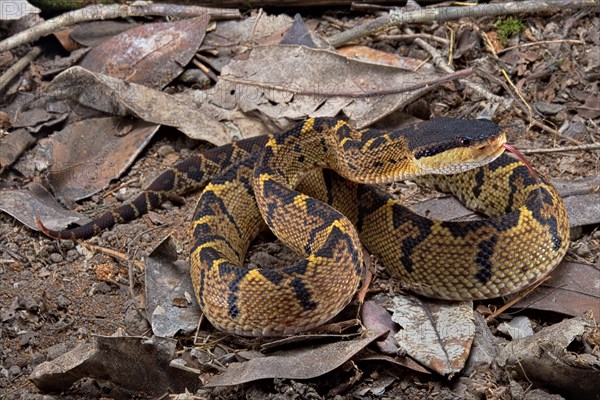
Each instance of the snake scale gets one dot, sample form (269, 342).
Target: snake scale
(313, 187)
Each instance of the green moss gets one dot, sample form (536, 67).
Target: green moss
(508, 27)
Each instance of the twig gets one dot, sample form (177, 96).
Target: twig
(425, 36)
(101, 12)
(205, 70)
(372, 93)
(583, 147)
(113, 253)
(516, 299)
(490, 47)
(440, 63)
(542, 42)
(19, 66)
(400, 18)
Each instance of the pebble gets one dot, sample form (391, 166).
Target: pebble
(56, 257)
(62, 301)
(164, 150)
(72, 255)
(583, 250)
(67, 244)
(57, 350)
(14, 370)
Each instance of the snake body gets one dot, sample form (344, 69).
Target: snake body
(253, 183)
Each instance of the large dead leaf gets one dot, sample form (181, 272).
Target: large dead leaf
(572, 289)
(35, 201)
(305, 363)
(130, 364)
(151, 54)
(288, 83)
(85, 156)
(170, 302)
(116, 97)
(559, 357)
(437, 334)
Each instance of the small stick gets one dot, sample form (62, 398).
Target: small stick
(440, 62)
(205, 69)
(19, 66)
(424, 36)
(541, 43)
(441, 14)
(101, 12)
(113, 253)
(516, 299)
(583, 147)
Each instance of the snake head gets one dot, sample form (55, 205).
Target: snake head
(449, 146)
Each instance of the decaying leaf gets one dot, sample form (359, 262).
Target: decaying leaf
(35, 201)
(134, 54)
(572, 289)
(376, 317)
(116, 97)
(12, 145)
(549, 358)
(168, 280)
(305, 363)
(368, 54)
(287, 83)
(86, 155)
(437, 334)
(130, 364)
(517, 328)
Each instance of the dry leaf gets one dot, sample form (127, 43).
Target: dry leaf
(437, 334)
(87, 155)
(116, 97)
(556, 358)
(288, 83)
(130, 364)
(35, 201)
(572, 289)
(305, 363)
(168, 280)
(150, 54)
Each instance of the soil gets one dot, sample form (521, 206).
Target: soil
(55, 295)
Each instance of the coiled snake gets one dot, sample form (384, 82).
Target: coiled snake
(253, 182)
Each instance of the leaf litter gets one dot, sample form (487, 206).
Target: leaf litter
(265, 86)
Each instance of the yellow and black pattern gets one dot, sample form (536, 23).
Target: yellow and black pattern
(253, 183)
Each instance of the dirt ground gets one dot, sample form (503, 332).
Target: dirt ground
(55, 295)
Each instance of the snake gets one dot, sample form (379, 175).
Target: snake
(317, 187)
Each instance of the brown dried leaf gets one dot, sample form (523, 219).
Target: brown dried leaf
(375, 317)
(364, 53)
(95, 32)
(304, 363)
(547, 358)
(271, 80)
(590, 109)
(35, 201)
(12, 145)
(87, 155)
(151, 54)
(437, 334)
(571, 290)
(169, 292)
(131, 364)
(116, 97)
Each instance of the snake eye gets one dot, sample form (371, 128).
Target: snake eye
(465, 142)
